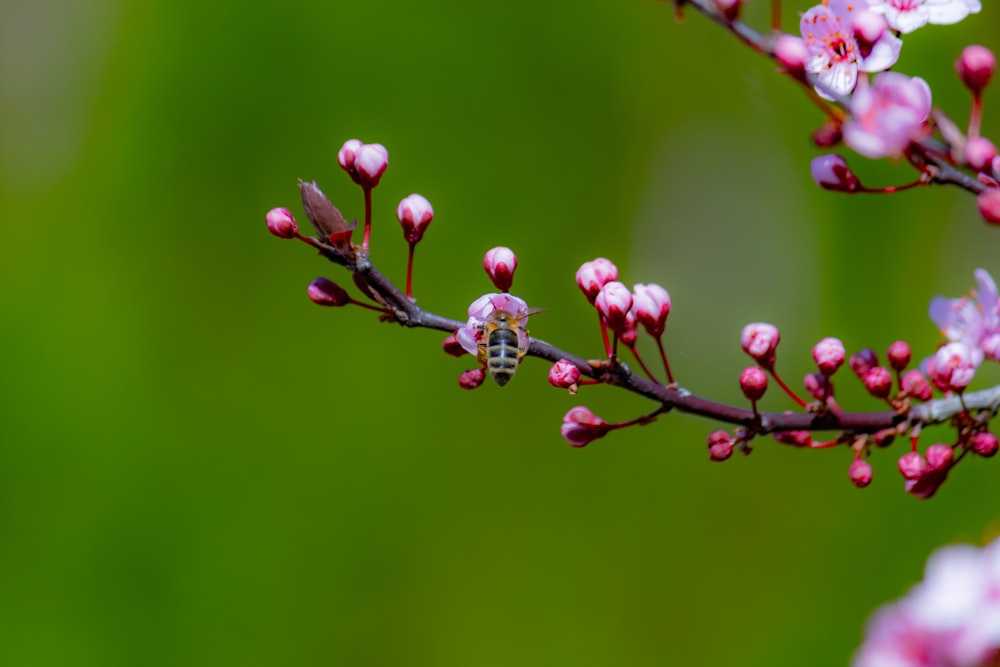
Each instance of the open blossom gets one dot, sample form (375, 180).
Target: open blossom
(887, 115)
(834, 53)
(952, 367)
(973, 320)
(470, 335)
(908, 15)
(952, 617)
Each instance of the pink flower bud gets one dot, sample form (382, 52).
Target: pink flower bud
(370, 163)
(939, 456)
(827, 135)
(613, 303)
(829, 355)
(753, 383)
(580, 427)
(878, 382)
(863, 361)
(564, 375)
(916, 386)
(975, 66)
(629, 333)
(868, 28)
(860, 473)
(952, 367)
(792, 53)
(414, 214)
(348, 154)
(884, 437)
(325, 292)
(452, 346)
(912, 465)
(989, 205)
(985, 444)
(729, 8)
(760, 341)
(472, 378)
(794, 438)
(720, 445)
(593, 275)
(818, 385)
(651, 305)
(500, 263)
(831, 172)
(979, 153)
(899, 355)
(281, 223)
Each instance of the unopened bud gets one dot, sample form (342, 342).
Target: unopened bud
(975, 66)
(899, 355)
(753, 383)
(580, 427)
(372, 159)
(564, 375)
(760, 341)
(868, 28)
(860, 473)
(794, 438)
(912, 465)
(829, 354)
(819, 386)
(451, 346)
(878, 382)
(472, 378)
(979, 153)
(989, 205)
(792, 54)
(720, 445)
(916, 385)
(939, 456)
(863, 361)
(593, 275)
(281, 223)
(827, 135)
(324, 292)
(414, 214)
(651, 305)
(500, 263)
(613, 302)
(729, 8)
(985, 444)
(832, 173)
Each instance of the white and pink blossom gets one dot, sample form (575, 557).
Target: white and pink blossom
(973, 320)
(908, 15)
(470, 336)
(834, 53)
(888, 115)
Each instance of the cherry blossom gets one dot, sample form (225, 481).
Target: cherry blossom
(888, 115)
(469, 336)
(908, 15)
(834, 53)
(973, 320)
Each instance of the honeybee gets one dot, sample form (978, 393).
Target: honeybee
(502, 345)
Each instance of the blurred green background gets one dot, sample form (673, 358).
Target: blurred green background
(200, 467)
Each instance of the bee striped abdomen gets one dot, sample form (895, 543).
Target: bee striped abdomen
(502, 355)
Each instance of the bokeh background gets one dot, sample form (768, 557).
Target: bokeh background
(200, 467)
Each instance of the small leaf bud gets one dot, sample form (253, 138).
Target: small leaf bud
(613, 302)
(593, 275)
(916, 386)
(878, 382)
(720, 445)
(985, 444)
(753, 383)
(831, 172)
(899, 355)
(651, 305)
(415, 214)
(863, 361)
(500, 263)
(912, 465)
(975, 66)
(281, 223)
(829, 354)
(989, 205)
(979, 153)
(939, 456)
(324, 292)
(471, 379)
(580, 427)
(860, 473)
(451, 346)
(564, 375)
(760, 341)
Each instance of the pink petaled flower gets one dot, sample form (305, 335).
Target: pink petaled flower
(414, 214)
(829, 354)
(860, 473)
(908, 15)
(952, 617)
(500, 263)
(888, 115)
(281, 223)
(973, 320)
(760, 340)
(470, 336)
(613, 303)
(831, 172)
(580, 427)
(952, 368)
(564, 375)
(651, 305)
(835, 57)
(593, 275)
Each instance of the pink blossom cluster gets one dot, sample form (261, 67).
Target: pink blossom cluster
(950, 619)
